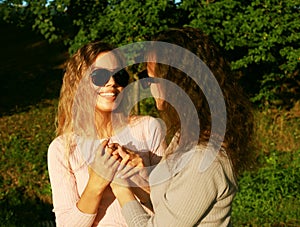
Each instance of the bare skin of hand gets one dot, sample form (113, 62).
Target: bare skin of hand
(131, 167)
(101, 172)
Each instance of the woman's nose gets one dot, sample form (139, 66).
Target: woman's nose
(111, 82)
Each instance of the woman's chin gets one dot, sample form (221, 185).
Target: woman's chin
(106, 107)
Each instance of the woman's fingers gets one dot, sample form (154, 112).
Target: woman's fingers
(128, 171)
(130, 165)
(106, 161)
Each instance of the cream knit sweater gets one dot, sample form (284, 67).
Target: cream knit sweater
(183, 196)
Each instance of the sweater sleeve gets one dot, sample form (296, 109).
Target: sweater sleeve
(64, 189)
(157, 143)
(183, 201)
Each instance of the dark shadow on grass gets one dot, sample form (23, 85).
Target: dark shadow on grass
(26, 213)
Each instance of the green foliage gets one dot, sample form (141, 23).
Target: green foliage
(123, 22)
(132, 21)
(262, 40)
(271, 195)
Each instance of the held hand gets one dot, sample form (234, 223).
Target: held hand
(131, 163)
(106, 163)
(132, 178)
(131, 171)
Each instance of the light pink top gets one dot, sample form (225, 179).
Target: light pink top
(68, 181)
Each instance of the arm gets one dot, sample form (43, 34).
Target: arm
(153, 131)
(101, 172)
(64, 188)
(157, 144)
(92, 194)
(71, 209)
(184, 201)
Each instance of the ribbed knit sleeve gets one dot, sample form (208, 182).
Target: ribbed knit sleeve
(156, 137)
(64, 189)
(134, 214)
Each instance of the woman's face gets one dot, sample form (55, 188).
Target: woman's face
(156, 88)
(107, 94)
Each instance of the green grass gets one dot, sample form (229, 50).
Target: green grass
(268, 195)
(25, 194)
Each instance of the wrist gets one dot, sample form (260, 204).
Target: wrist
(123, 194)
(97, 183)
(118, 189)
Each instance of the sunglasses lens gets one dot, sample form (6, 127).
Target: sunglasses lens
(121, 78)
(100, 76)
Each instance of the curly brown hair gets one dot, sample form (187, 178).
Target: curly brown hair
(76, 112)
(239, 117)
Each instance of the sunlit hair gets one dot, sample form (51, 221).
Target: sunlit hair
(77, 100)
(239, 120)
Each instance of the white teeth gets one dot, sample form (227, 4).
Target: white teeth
(108, 94)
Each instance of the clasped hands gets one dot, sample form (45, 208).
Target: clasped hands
(114, 163)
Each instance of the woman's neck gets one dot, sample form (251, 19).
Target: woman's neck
(103, 124)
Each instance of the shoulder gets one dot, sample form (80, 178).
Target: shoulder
(146, 121)
(57, 149)
(59, 146)
(141, 119)
(203, 163)
(212, 164)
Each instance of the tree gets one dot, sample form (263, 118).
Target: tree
(262, 40)
(80, 21)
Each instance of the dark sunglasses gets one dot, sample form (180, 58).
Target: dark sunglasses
(146, 83)
(101, 76)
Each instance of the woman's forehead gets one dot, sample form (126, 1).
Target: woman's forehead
(106, 60)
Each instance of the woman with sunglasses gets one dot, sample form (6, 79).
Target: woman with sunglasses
(195, 182)
(91, 145)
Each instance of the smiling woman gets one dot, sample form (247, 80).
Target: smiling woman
(108, 82)
(82, 160)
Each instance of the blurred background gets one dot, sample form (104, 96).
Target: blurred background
(261, 39)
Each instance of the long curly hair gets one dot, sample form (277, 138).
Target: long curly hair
(239, 117)
(77, 99)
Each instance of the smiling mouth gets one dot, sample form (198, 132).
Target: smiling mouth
(108, 94)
